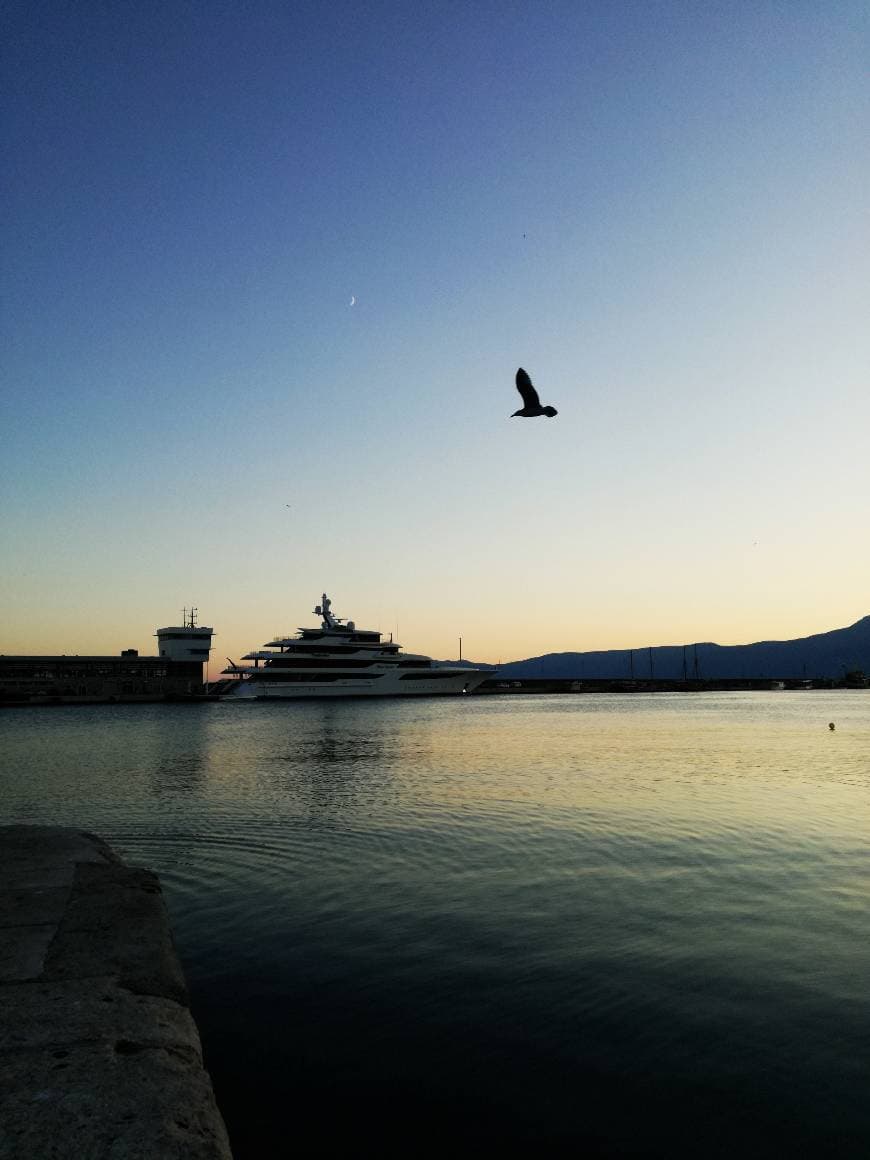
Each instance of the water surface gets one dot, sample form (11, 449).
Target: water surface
(626, 925)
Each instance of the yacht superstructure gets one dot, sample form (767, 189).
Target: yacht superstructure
(337, 659)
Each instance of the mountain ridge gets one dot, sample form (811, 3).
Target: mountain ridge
(828, 655)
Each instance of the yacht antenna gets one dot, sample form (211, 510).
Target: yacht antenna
(322, 610)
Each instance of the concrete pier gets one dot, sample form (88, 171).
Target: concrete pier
(99, 1054)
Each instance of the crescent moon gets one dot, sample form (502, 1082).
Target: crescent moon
(353, 300)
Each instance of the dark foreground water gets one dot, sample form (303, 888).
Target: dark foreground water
(612, 925)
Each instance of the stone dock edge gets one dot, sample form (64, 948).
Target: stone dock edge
(99, 1053)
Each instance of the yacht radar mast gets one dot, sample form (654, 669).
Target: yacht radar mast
(322, 609)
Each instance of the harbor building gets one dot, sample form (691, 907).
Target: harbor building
(176, 673)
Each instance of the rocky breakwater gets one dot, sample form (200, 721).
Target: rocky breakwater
(99, 1054)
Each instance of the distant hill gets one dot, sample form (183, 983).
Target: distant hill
(827, 655)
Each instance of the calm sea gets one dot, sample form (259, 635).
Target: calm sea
(616, 925)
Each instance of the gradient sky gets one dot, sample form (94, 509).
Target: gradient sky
(658, 209)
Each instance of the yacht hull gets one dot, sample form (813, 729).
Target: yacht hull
(251, 689)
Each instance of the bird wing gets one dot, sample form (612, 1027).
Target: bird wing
(528, 392)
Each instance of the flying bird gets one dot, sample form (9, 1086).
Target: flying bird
(531, 403)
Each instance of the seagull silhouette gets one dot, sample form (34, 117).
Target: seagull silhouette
(531, 403)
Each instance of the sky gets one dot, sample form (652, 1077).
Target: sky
(268, 272)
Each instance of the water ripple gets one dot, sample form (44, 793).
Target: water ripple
(518, 915)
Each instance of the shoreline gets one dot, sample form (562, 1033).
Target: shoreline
(489, 688)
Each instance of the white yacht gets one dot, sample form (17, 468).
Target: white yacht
(340, 660)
